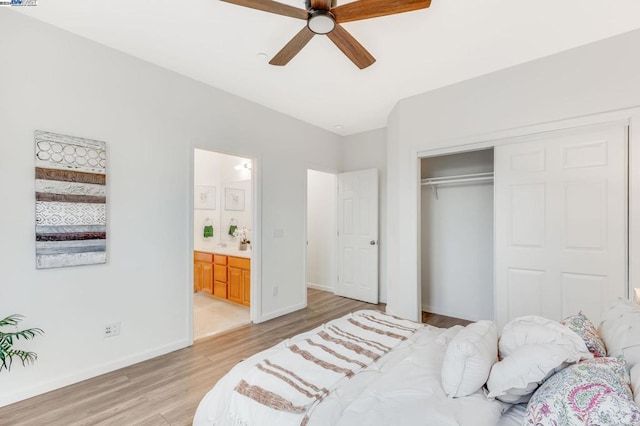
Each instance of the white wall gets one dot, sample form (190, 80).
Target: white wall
(368, 150)
(151, 120)
(457, 251)
(600, 77)
(322, 211)
(457, 238)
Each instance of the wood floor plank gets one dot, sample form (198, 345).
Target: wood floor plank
(166, 390)
(442, 321)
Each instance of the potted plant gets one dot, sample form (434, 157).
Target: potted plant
(243, 234)
(7, 352)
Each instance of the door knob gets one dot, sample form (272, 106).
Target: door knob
(372, 242)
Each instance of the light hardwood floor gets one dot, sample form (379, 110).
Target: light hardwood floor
(166, 390)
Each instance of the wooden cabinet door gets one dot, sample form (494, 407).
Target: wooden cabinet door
(207, 278)
(235, 285)
(203, 277)
(203, 272)
(197, 277)
(220, 289)
(246, 287)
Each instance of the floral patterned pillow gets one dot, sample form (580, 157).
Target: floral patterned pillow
(592, 392)
(585, 329)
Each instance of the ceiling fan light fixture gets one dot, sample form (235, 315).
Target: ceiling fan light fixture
(321, 22)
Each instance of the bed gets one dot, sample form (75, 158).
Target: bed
(372, 368)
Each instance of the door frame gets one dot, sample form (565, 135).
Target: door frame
(628, 116)
(255, 311)
(334, 272)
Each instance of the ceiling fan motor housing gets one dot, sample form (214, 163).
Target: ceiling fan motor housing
(321, 22)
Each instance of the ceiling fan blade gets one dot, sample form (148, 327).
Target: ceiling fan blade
(321, 4)
(292, 48)
(350, 47)
(272, 7)
(365, 9)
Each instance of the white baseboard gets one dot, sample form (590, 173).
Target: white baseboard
(18, 395)
(450, 313)
(281, 312)
(315, 286)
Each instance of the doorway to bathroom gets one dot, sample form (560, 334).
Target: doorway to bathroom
(222, 234)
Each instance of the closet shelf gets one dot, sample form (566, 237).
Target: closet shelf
(450, 180)
(474, 177)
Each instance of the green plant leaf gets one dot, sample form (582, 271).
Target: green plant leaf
(11, 320)
(7, 353)
(3, 361)
(24, 356)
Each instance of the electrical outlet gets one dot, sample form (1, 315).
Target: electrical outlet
(275, 290)
(112, 329)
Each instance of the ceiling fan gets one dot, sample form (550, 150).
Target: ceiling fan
(324, 17)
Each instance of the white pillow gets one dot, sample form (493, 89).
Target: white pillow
(514, 379)
(533, 329)
(635, 383)
(620, 330)
(532, 348)
(468, 359)
(446, 336)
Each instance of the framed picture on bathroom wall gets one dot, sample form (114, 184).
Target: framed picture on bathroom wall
(204, 197)
(234, 199)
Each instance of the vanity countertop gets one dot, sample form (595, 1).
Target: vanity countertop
(227, 251)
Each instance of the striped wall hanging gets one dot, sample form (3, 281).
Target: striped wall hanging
(70, 201)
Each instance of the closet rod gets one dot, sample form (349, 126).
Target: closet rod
(474, 177)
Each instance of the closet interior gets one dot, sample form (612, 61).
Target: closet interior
(457, 235)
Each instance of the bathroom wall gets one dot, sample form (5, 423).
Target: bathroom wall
(221, 171)
(242, 217)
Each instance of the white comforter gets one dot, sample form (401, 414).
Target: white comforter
(401, 388)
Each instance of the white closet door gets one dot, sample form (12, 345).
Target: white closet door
(358, 235)
(561, 224)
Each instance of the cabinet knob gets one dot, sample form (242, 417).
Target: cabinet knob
(372, 242)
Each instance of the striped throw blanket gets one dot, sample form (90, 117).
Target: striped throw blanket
(284, 388)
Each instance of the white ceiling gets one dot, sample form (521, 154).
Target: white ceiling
(218, 43)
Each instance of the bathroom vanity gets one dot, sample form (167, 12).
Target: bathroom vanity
(224, 273)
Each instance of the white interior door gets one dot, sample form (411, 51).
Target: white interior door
(561, 224)
(358, 235)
